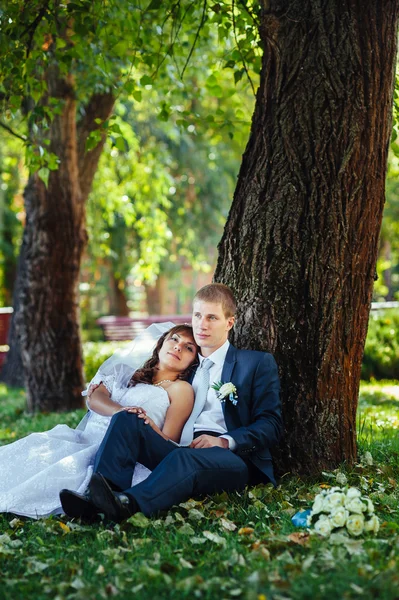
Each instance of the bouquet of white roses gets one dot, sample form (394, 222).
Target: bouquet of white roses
(343, 509)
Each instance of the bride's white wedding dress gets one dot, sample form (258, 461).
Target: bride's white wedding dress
(35, 469)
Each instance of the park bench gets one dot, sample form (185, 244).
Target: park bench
(127, 328)
(5, 318)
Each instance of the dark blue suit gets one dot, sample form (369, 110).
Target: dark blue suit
(179, 473)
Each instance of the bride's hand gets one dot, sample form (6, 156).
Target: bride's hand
(135, 410)
(148, 421)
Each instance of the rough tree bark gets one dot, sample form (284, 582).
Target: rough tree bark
(54, 239)
(300, 243)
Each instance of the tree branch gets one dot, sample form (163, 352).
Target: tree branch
(33, 26)
(99, 107)
(239, 49)
(12, 132)
(203, 17)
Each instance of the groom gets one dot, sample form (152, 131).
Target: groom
(228, 438)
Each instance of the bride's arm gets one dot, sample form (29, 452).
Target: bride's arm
(181, 396)
(99, 401)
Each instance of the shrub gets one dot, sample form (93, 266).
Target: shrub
(95, 353)
(381, 352)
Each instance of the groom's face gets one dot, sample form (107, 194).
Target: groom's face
(210, 325)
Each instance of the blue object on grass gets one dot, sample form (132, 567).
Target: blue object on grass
(300, 518)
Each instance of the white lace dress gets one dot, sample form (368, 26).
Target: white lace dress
(35, 469)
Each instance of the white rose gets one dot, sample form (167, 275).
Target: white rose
(339, 516)
(372, 525)
(370, 505)
(323, 526)
(353, 493)
(342, 479)
(355, 505)
(337, 499)
(355, 524)
(226, 389)
(317, 504)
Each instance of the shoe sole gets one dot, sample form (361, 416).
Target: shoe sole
(76, 507)
(104, 499)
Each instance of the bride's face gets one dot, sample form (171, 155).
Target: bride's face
(178, 352)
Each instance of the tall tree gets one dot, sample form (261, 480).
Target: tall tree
(61, 66)
(301, 240)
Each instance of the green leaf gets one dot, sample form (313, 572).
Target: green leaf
(137, 95)
(139, 520)
(120, 144)
(238, 75)
(44, 174)
(146, 80)
(154, 4)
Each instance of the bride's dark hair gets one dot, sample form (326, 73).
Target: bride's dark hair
(147, 372)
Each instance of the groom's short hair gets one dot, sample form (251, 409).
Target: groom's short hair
(220, 293)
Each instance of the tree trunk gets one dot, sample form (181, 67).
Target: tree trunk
(54, 239)
(155, 295)
(300, 244)
(119, 306)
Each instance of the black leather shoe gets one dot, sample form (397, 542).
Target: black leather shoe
(78, 505)
(115, 506)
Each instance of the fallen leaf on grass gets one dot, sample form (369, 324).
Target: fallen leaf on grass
(16, 523)
(64, 527)
(190, 504)
(185, 564)
(111, 590)
(259, 548)
(300, 538)
(246, 531)
(214, 537)
(139, 520)
(195, 514)
(100, 570)
(189, 583)
(228, 525)
(186, 529)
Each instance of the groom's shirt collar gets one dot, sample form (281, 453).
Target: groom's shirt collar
(218, 357)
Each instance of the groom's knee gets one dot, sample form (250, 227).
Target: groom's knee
(124, 419)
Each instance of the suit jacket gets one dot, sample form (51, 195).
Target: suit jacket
(255, 422)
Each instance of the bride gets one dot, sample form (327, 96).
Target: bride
(36, 468)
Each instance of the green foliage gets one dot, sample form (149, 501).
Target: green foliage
(95, 353)
(381, 352)
(11, 213)
(241, 545)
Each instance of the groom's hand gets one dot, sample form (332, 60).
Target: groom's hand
(208, 441)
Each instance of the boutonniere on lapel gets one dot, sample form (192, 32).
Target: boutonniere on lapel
(225, 390)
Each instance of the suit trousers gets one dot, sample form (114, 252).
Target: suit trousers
(177, 473)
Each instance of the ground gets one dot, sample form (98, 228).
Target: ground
(228, 546)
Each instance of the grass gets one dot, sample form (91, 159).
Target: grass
(228, 546)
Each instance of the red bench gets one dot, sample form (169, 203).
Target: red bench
(127, 328)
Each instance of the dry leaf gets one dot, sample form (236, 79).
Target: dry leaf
(184, 563)
(300, 538)
(228, 525)
(65, 528)
(246, 530)
(214, 537)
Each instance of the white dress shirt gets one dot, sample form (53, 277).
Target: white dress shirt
(212, 417)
